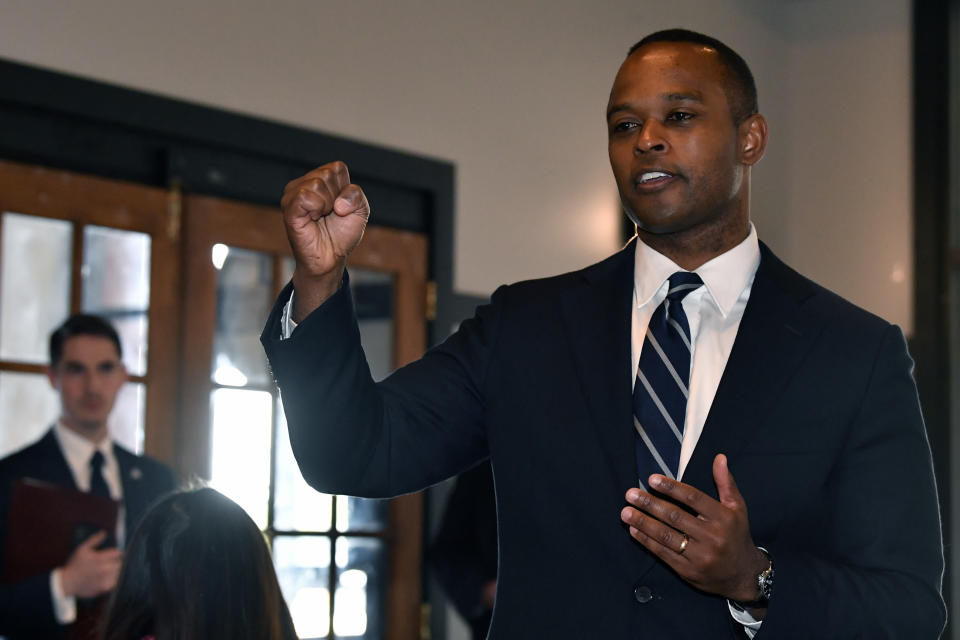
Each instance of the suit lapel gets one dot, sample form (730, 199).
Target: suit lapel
(774, 336)
(596, 316)
(51, 464)
(131, 479)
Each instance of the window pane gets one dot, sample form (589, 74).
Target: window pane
(28, 407)
(244, 297)
(297, 507)
(126, 420)
(303, 570)
(361, 514)
(34, 284)
(116, 284)
(373, 297)
(240, 468)
(361, 582)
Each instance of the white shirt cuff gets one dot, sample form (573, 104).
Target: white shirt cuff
(287, 325)
(750, 624)
(64, 606)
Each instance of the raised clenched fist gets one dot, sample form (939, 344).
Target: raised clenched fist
(324, 215)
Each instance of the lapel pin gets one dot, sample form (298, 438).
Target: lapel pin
(135, 473)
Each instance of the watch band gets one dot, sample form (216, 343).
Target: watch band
(764, 587)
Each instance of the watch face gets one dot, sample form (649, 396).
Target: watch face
(765, 582)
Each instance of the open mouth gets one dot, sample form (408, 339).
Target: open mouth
(654, 178)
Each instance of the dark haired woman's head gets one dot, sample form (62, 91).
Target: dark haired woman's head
(197, 568)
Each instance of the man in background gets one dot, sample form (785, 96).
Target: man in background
(77, 453)
(463, 554)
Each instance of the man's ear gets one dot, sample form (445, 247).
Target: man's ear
(752, 134)
(52, 376)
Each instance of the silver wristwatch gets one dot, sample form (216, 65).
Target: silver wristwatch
(765, 578)
(764, 586)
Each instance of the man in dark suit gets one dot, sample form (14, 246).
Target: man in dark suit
(578, 389)
(87, 372)
(463, 554)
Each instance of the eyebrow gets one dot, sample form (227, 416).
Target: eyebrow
(692, 96)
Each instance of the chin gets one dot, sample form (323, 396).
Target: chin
(665, 224)
(89, 424)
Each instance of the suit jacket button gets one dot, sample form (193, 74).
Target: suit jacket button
(643, 594)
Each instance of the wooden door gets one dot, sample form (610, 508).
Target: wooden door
(350, 568)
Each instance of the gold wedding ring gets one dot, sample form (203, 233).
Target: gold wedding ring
(683, 543)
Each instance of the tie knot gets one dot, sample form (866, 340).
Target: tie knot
(682, 283)
(96, 460)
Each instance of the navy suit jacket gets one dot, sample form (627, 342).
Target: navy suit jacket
(816, 410)
(26, 610)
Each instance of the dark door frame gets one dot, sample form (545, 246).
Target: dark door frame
(936, 41)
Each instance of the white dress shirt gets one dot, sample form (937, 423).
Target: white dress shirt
(713, 312)
(78, 450)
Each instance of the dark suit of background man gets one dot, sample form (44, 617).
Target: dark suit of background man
(87, 372)
(463, 554)
(805, 399)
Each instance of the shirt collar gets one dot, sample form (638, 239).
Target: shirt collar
(725, 276)
(77, 449)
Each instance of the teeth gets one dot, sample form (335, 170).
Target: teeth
(653, 175)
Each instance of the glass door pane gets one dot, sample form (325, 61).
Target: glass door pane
(303, 570)
(34, 284)
(240, 467)
(361, 581)
(244, 297)
(28, 406)
(116, 285)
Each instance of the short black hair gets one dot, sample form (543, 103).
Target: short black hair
(742, 94)
(81, 324)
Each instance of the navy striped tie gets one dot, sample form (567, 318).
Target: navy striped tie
(660, 392)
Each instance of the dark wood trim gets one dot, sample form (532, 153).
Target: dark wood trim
(22, 367)
(41, 369)
(76, 267)
(163, 337)
(931, 206)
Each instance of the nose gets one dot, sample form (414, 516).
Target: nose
(651, 138)
(93, 383)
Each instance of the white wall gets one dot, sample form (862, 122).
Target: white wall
(849, 159)
(513, 93)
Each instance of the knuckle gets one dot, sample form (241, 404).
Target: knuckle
(674, 516)
(665, 537)
(665, 485)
